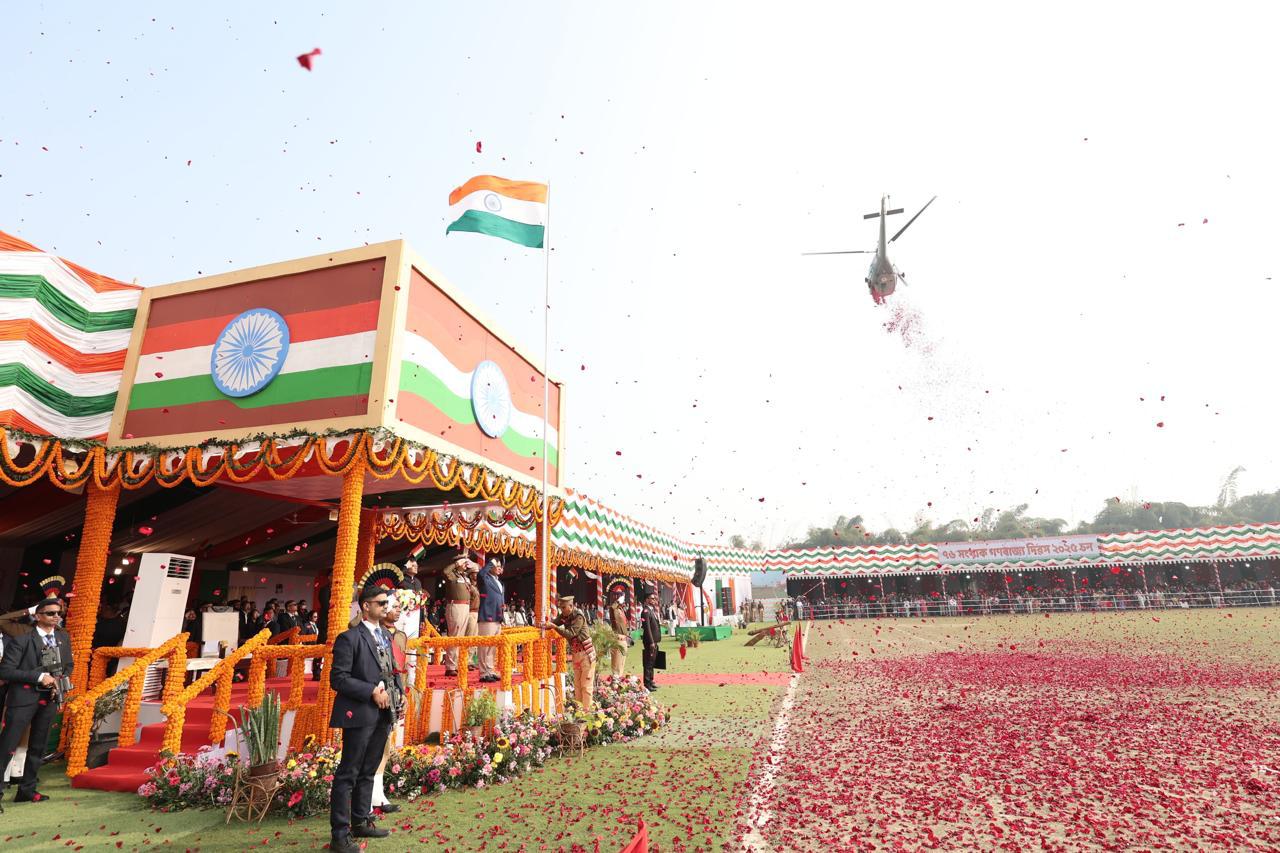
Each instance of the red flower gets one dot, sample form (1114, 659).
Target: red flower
(295, 798)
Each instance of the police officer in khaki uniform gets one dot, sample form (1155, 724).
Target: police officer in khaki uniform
(572, 625)
(457, 612)
(621, 626)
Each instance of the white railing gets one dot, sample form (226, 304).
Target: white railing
(1119, 602)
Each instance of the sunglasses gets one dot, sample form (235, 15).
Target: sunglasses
(49, 613)
(381, 602)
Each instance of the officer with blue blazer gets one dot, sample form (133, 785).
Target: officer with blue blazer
(369, 695)
(489, 617)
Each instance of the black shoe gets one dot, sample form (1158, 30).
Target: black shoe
(368, 829)
(389, 808)
(651, 687)
(36, 797)
(450, 674)
(343, 844)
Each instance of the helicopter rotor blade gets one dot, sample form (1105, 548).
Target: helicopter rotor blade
(913, 219)
(848, 252)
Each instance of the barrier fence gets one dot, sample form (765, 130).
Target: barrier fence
(987, 605)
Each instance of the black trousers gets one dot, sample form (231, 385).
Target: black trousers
(352, 795)
(650, 656)
(38, 718)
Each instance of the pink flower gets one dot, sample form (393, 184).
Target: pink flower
(295, 799)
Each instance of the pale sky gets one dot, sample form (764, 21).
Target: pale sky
(695, 150)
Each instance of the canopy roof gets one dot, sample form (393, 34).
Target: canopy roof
(63, 335)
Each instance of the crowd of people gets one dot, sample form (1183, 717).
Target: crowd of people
(1027, 599)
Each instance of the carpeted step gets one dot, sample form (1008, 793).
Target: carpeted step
(126, 766)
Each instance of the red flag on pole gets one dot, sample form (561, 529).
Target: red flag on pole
(639, 843)
(797, 652)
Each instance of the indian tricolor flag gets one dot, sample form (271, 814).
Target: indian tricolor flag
(512, 210)
(331, 318)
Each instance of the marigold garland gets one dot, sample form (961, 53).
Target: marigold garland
(606, 565)
(344, 571)
(176, 708)
(91, 567)
(78, 712)
(70, 464)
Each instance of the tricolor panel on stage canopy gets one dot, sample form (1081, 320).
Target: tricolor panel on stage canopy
(365, 339)
(461, 382)
(64, 331)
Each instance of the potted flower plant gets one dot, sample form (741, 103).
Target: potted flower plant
(481, 709)
(573, 722)
(261, 727)
(108, 703)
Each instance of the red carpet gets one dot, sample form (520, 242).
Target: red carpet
(722, 678)
(126, 766)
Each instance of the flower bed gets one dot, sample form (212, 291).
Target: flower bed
(624, 711)
(520, 743)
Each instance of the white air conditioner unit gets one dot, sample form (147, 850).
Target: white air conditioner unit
(159, 602)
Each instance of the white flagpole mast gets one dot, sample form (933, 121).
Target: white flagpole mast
(546, 406)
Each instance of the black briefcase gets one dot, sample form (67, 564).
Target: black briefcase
(660, 660)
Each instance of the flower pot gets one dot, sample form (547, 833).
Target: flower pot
(572, 731)
(258, 771)
(476, 731)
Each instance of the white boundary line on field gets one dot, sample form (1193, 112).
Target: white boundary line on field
(760, 814)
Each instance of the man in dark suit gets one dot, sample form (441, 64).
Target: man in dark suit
(652, 635)
(370, 694)
(35, 666)
(489, 617)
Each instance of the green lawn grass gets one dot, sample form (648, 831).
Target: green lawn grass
(683, 780)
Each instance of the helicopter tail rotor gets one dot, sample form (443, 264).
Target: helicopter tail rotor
(847, 252)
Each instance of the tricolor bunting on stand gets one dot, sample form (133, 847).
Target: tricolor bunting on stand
(512, 210)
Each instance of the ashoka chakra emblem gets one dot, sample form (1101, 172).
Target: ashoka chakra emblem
(490, 399)
(249, 352)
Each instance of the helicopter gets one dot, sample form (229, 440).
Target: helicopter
(882, 277)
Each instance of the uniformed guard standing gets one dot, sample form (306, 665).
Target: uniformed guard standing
(621, 626)
(572, 625)
(457, 596)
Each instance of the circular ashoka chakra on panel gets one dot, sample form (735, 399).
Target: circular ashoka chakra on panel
(249, 352)
(490, 399)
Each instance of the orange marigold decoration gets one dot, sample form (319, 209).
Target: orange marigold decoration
(344, 577)
(91, 567)
(278, 457)
(78, 712)
(367, 544)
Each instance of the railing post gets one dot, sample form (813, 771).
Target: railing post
(257, 678)
(129, 713)
(221, 708)
(177, 673)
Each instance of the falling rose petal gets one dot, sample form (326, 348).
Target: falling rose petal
(145, 531)
(305, 59)
(1159, 423)
(478, 146)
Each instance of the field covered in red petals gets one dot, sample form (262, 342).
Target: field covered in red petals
(1076, 732)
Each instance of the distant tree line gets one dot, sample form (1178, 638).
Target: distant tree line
(1116, 516)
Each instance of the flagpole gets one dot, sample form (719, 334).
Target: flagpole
(546, 406)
